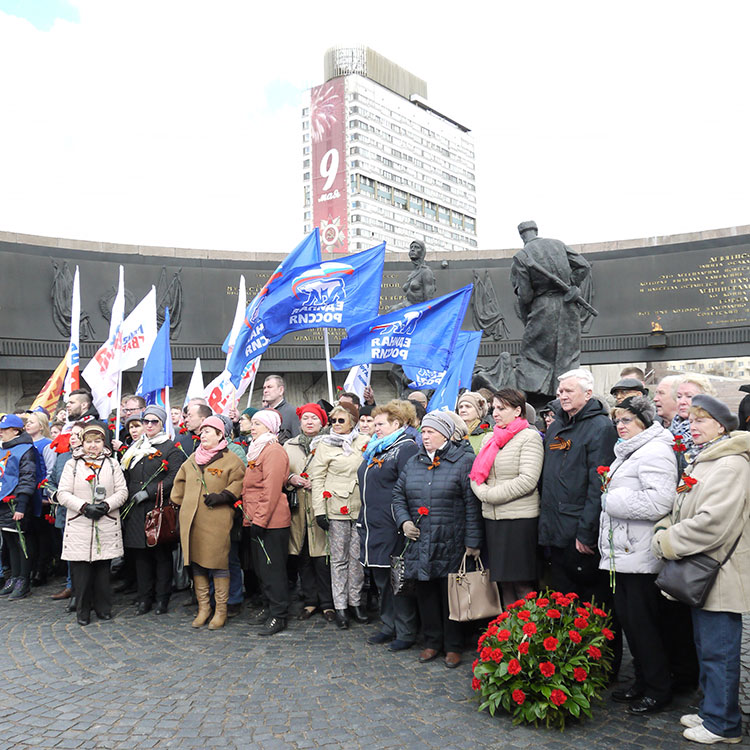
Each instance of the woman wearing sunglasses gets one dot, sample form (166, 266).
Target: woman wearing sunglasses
(336, 504)
(150, 466)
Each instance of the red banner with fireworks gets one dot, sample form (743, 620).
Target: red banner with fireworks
(327, 120)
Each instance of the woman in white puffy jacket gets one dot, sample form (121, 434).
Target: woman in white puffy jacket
(639, 488)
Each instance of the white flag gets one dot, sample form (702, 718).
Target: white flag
(72, 377)
(357, 380)
(132, 342)
(195, 387)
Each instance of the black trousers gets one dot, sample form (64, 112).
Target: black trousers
(638, 609)
(44, 533)
(315, 577)
(677, 625)
(20, 564)
(439, 631)
(153, 572)
(272, 576)
(91, 587)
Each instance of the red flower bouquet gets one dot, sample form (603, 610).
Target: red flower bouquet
(554, 661)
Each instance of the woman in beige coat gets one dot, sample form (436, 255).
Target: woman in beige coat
(206, 488)
(711, 517)
(504, 477)
(336, 503)
(92, 488)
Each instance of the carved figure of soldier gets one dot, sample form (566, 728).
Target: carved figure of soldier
(420, 284)
(541, 273)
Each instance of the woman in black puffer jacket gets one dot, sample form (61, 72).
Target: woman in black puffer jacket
(434, 507)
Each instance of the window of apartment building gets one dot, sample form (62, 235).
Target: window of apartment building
(307, 215)
(399, 198)
(470, 224)
(415, 204)
(305, 111)
(306, 164)
(443, 215)
(430, 210)
(457, 220)
(366, 185)
(305, 137)
(305, 124)
(385, 193)
(305, 149)
(306, 176)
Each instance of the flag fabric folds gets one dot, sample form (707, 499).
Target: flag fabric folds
(50, 393)
(357, 380)
(73, 376)
(251, 338)
(459, 373)
(423, 334)
(195, 386)
(156, 378)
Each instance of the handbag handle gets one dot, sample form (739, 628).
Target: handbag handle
(731, 551)
(477, 561)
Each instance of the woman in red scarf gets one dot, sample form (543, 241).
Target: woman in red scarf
(504, 477)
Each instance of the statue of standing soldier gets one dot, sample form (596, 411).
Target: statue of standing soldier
(553, 289)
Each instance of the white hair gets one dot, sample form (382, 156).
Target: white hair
(584, 377)
(673, 381)
(702, 381)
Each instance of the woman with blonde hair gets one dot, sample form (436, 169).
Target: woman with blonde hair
(472, 408)
(690, 385)
(336, 504)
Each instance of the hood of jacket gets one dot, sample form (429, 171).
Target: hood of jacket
(592, 408)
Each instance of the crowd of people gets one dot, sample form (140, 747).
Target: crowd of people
(316, 501)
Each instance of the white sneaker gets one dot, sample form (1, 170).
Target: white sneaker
(691, 720)
(706, 737)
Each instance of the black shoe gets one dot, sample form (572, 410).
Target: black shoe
(83, 621)
(379, 638)
(647, 705)
(234, 609)
(143, 607)
(399, 645)
(71, 606)
(38, 579)
(273, 625)
(162, 605)
(104, 616)
(263, 615)
(126, 587)
(21, 589)
(628, 695)
(342, 621)
(359, 615)
(8, 587)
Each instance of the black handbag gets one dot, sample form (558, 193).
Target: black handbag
(691, 579)
(399, 582)
(292, 499)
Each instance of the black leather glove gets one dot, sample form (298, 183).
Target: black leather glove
(92, 512)
(219, 498)
(139, 497)
(257, 531)
(103, 506)
(323, 522)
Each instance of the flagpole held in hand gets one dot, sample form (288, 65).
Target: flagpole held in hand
(328, 366)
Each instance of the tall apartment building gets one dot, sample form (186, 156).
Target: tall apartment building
(380, 164)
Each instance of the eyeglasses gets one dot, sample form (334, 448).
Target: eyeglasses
(339, 420)
(125, 410)
(152, 421)
(623, 420)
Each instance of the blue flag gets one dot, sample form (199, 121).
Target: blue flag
(252, 339)
(460, 371)
(423, 334)
(157, 371)
(331, 294)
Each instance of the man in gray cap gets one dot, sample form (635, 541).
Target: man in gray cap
(551, 343)
(627, 387)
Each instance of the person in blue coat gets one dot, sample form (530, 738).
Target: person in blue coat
(434, 506)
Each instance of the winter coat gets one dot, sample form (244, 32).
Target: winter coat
(263, 498)
(378, 533)
(571, 488)
(709, 518)
(510, 490)
(187, 440)
(332, 471)
(641, 489)
(289, 421)
(204, 531)
(147, 475)
(477, 437)
(303, 519)
(27, 498)
(85, 540)
(454, 521)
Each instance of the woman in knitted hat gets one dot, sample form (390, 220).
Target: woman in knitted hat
(472, 408)
(434, 507)
(207, 485)
(335, 498)
(150, 466)
(266, 517)
(307, 540)
(711, 516)
(639, 489)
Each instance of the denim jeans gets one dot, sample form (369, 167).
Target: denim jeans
(718, 636)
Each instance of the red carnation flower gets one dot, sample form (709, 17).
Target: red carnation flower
(514, 666)
(542, 602)
(602, 470)
(327, 494)
(492, 630)
(563, 601)
(518, 696)
(574, 636)
(580, 674)
(497, 655)
(238, 504)
(523, 647)
(571, 595)
(423, 510)
(91, 477)
(581, 622)
(529, 628)
(594, 652)
(588, 605)
(165, 465)
(558, 697)
(482, 639)
(553, 613)
(485, 654)
(524, 614)
(690, 481)
(304, 475)
(531, 595)
(599, 612)
(582, 612)
(475, 683)
(344, 510)
(503, 635)
(547, 668)
(550, 644)
(474, 664)
(608, 634)
(502, 616)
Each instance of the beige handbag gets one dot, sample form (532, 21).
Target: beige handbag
(472, 596)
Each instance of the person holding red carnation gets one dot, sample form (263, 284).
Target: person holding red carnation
(640, 489)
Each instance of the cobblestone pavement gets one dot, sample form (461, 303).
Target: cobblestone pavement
(154, 682)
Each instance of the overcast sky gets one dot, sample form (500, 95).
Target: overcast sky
(177, 123)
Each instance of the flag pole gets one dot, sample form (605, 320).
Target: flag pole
(328, 365)
(252, 382)
(119, 399)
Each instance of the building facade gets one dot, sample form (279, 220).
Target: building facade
(379, 164)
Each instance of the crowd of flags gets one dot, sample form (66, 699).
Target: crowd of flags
(303, 292)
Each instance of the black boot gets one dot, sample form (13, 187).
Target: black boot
(143, 607)
(359, 614)
(161, 607)
(342, 621)
(71, 604)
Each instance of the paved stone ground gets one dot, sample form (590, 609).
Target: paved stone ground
(154, 682)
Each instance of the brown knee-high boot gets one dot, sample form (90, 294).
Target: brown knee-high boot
(203, 595)
(221, 597)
